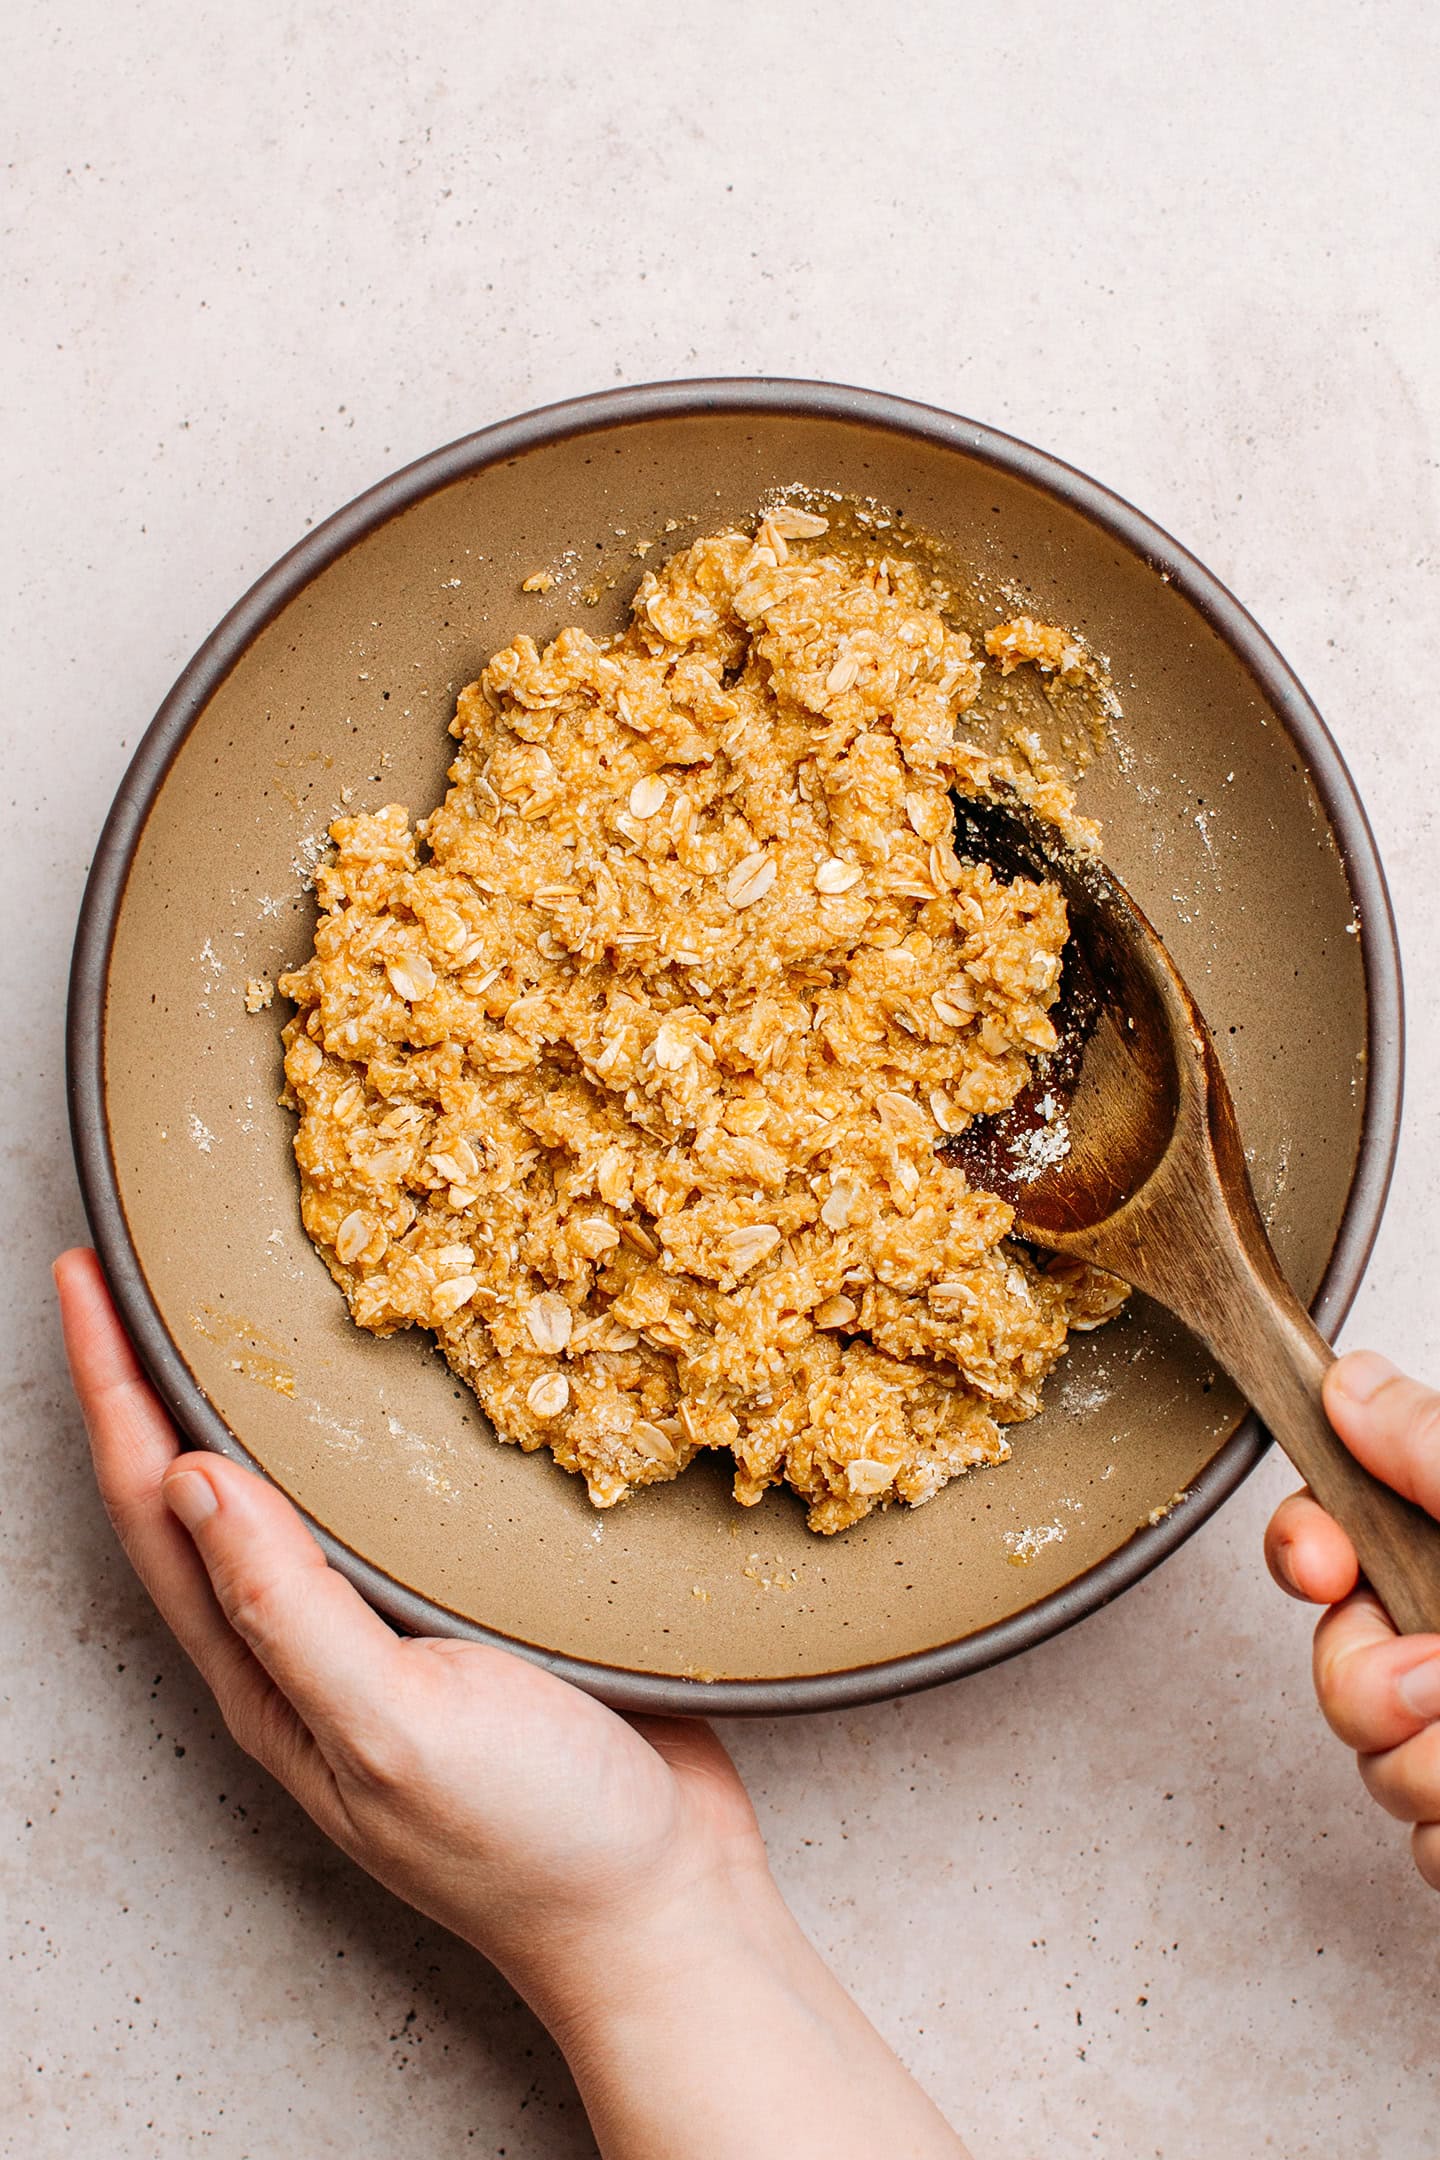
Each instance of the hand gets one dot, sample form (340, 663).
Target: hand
(1380, 1691)
(612, 1869)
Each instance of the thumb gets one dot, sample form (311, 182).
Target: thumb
(314, 1634)
(1389, 1422)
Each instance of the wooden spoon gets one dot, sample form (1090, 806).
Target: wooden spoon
(1124, 1151)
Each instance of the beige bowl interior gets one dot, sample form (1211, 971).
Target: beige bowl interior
(1211, 816)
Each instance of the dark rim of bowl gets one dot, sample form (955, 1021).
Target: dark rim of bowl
(198, 1420)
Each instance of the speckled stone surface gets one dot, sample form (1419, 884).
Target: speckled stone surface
(1123, 1897)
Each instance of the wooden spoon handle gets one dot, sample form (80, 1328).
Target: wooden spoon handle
(1398, 1543)
(1265, 1339)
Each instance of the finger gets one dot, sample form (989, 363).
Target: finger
(135, 1437)
(1406, 1779)
(1376, 1688)
(321, 1644)
(1425, 1844)
(1308, 1553)
(1390, 1422)
(133, 1443)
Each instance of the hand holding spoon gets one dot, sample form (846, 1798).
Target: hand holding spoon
(1153, 1186)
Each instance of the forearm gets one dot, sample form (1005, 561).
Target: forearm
(722, 2034)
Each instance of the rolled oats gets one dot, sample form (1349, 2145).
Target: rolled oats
(835, 876)
(647, 796)
(352, 1237)
(750, 880)
(411, 976)
(549, 1320)
(548, 1395)
(745, 1248)
(794, 524)
(618, 1080)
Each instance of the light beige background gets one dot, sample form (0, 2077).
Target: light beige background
(1122, 1898)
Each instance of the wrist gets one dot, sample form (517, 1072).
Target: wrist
(709, 2024)
(593, 1981)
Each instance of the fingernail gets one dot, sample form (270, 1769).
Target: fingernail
(190, 1496)
(1360, 1376)
(1419, 1689)
(1281, 1563)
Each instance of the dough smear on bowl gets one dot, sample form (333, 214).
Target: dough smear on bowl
(624, 1070)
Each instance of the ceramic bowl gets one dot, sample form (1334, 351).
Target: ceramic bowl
(1227, 810)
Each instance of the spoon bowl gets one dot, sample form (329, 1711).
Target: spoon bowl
(1094, 1122)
